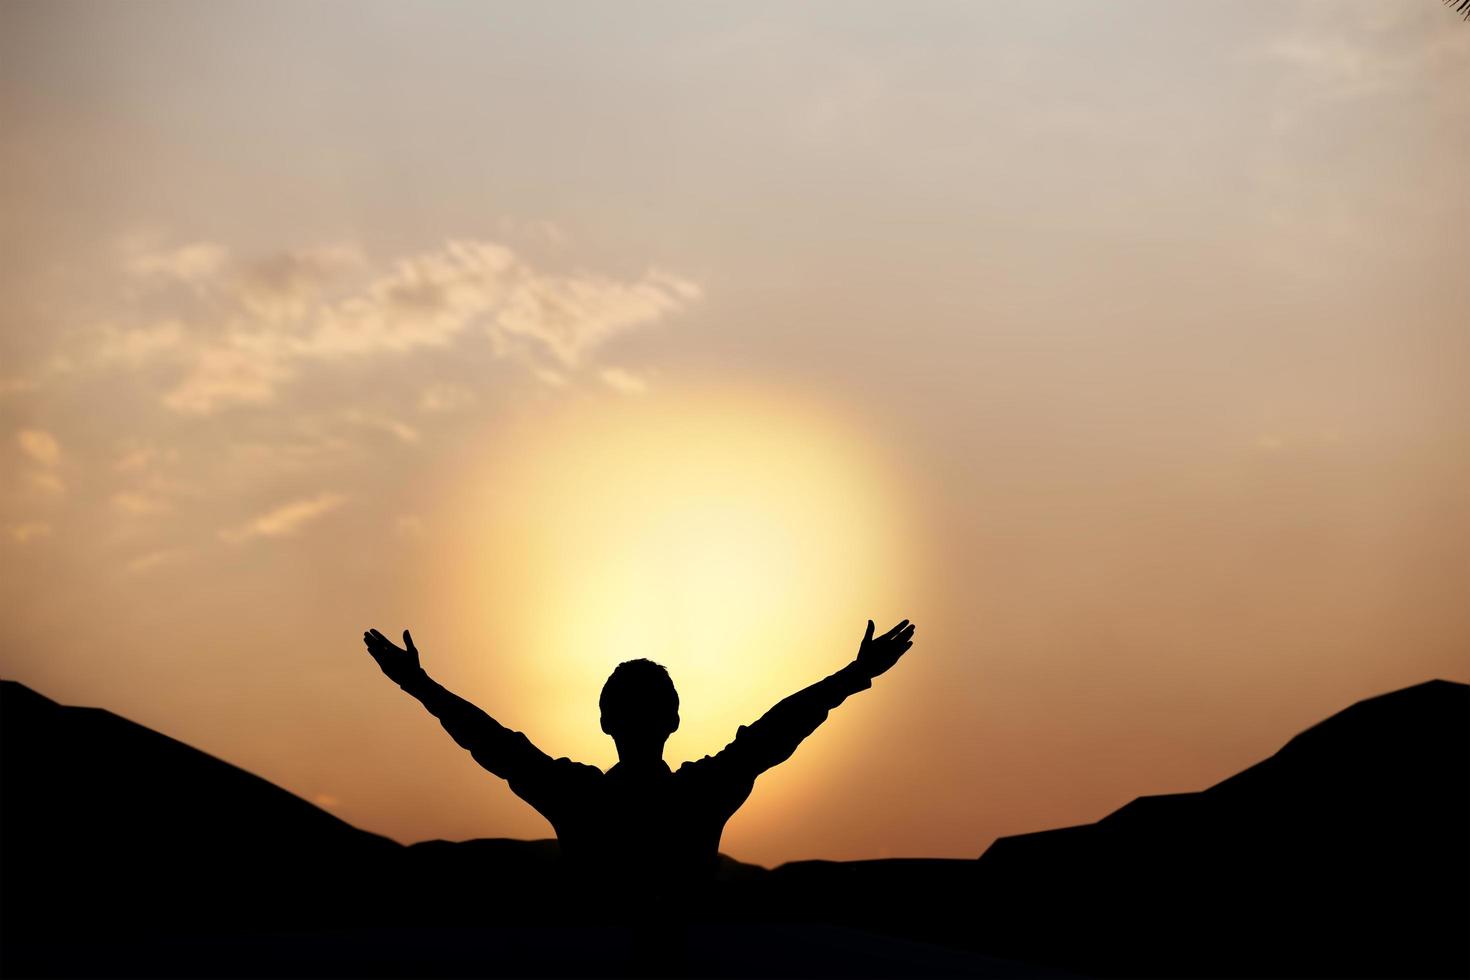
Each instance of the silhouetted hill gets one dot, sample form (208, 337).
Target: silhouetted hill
(124, 852)
(99, 812)
(1347, 853)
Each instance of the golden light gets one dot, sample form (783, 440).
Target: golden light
(739, 539)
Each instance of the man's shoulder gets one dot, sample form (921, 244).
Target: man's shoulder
(581, 770)
(555, 779)
(695, 768)
(568, 771)
(721, 760)
(720, 766)
(716, 780)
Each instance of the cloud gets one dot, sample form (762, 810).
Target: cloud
(1270, 442)
(136, 504)
(286, 519)
(402, 431)
(427, 300)
(141, 458)
(1328, 60)
(260, 324)
(307, 452)
(624, 382)
(1277, 442)
(46, 482)
(155, 559)
(1347, 51)
(136, 346)
(573, 315)
(246, 328)
(196, 264)
(285, 286)
(28, 531)
(547, 233)
(247, 374)
(154, 488)
(39, 446)
(444, 398)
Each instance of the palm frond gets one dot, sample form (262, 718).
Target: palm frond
(1461, 7)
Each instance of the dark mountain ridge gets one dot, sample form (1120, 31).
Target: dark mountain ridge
(1347, 853)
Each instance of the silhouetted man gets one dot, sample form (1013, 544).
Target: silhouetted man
(640, 835)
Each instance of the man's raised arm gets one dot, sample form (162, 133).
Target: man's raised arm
(771, 739)
(508, 754)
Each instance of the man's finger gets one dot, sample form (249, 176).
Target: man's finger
(868, 636)
(387, 643)
(408, 643)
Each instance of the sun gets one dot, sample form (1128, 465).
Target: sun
(739, 539)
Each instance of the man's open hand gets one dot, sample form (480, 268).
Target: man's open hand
(400, 664)
(877, 655)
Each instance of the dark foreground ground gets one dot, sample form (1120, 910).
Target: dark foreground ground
(789, 950)
(1347, 853)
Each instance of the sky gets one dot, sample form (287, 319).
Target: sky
(1119, 346)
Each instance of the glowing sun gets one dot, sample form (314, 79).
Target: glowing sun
(739, 540)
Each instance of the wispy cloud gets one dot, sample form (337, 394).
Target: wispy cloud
(43, 451)
(215, 331)
(284, 520)
(260, 323)
(196, 264)
(623, 381)
(401, 431)
(46, 482)
(1347, 50)
(220, 368)
(155, 559)
(139, 345)
(443, 398)
(573, 315)
(302, 453)
(39, 446)
(135, 504)
(287, 285)
(26, 531)
(235, 373)
(138, 459)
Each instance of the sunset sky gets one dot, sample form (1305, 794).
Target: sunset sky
(1122, 346)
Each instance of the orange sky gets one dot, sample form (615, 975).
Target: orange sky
(1120, 346)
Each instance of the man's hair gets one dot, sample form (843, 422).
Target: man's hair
(639, 698)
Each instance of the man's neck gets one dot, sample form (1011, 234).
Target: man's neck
(637, 756)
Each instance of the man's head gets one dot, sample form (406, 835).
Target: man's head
(639, 704)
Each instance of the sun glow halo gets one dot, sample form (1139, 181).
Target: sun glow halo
(740, 541)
